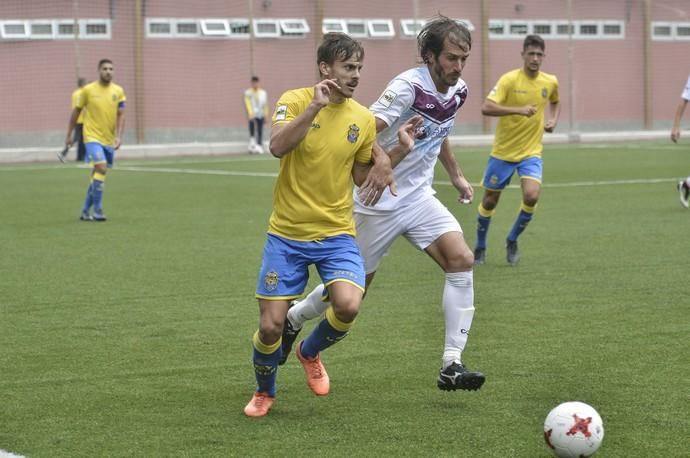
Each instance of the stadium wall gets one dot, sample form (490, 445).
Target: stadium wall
(188, 90)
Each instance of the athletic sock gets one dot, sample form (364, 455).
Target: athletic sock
(524, 217)
(308, 308)
(458, 308)
(265, 358)
(88, 200)
(483, 221)
(329, 331)
(97, 191)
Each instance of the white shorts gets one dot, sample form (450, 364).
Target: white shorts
(421, 224)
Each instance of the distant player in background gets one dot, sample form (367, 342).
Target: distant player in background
(436, 92)
(324, 140)
(683, 185)
(104, 123)
(79, 129)
(519, 99)
(256, 104)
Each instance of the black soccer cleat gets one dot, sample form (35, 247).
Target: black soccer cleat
(457, 377)
(289, 336)
(479, 256)
(512, 252)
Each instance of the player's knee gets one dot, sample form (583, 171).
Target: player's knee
(346, 309)
(530, 200)
(270, 332)
(461, 261)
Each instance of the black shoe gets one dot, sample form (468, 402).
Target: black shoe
(683, 193)
(512, 252)
(479, 256)
(289, 336)
(456, 377)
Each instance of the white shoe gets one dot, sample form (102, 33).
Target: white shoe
(251, 149)
(259, 149)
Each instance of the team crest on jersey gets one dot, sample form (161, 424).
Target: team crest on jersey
(114, 97)
(387, 98)
(281, 113)
(353, 133)
(544, 92)
(271, 281)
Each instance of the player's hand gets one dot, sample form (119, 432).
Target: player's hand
(117, 143)
(529, 110)
(549, 126)
(465, 189)
(322, 92)
(675, 135)
(408, 131)
(379, 178)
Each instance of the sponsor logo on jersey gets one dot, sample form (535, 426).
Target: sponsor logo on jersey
(315, 125)
(281, 113)
(271, 281)
(387, 98)
(353, 133)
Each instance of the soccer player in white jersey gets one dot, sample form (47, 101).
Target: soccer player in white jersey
(683, 185)
(436, 92)
(256, 104)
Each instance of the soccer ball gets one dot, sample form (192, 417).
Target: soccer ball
(573, 429)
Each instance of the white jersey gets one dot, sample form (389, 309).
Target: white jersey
(410, 93)
(255, 102)
(686, 92)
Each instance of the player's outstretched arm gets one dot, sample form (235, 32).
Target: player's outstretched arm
(491, 108)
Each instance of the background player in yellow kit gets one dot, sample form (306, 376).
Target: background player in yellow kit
(519, 99)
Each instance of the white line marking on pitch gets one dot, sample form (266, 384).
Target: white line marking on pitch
(5, 454)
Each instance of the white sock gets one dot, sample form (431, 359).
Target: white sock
(458, 308)
(308, 308)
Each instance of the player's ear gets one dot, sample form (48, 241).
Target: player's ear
(324, 69)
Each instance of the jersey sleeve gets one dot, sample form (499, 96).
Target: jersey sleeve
(122, 98)
(82, 97)
(288, 107)
(554, 97)
(395, 100)
(499, 93)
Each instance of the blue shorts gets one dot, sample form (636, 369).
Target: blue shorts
(285, 265)
(97, 153)
(498, 172)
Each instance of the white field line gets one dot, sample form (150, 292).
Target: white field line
(147, 169)
(5, 454)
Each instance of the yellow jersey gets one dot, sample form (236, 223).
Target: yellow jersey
(312, 197)
(518, 137)
(102, 104)
(75, 100)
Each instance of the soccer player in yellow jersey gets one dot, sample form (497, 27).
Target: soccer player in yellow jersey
(324, 140)
(104, 125)
(519, 98)
(79, 127)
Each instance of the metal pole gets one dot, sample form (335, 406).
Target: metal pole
(75, 12)
(573, 136)
(251, 39)
(486, 56)
(647, 65)
(318, 30)
(139, 71)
